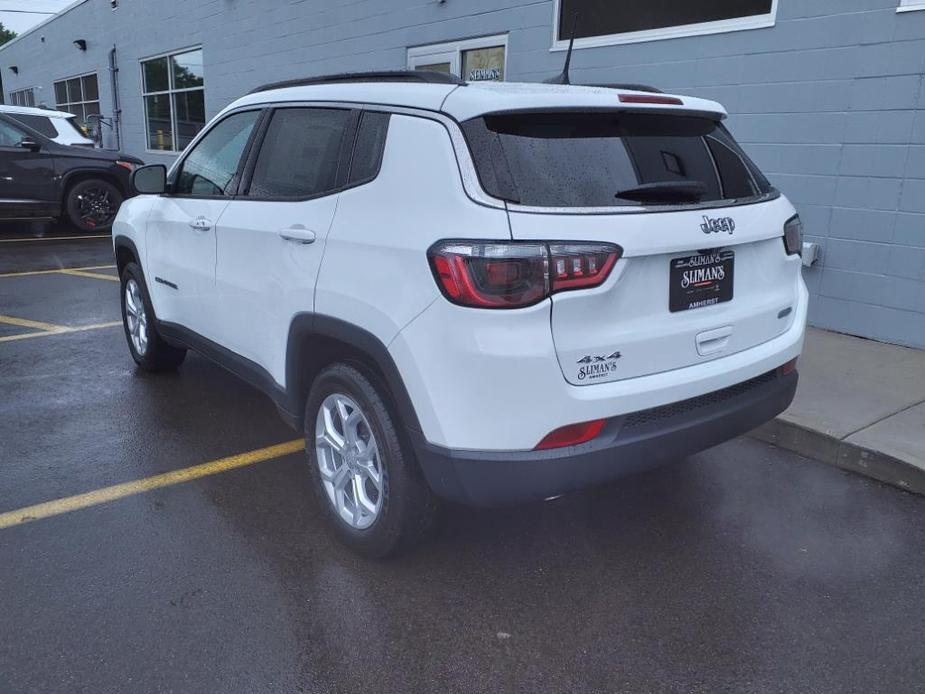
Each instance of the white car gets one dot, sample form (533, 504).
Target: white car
(488, 293)
(55, 125)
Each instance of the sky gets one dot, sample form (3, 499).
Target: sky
(28, 12)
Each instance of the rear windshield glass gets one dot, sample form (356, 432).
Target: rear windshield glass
(605, 159)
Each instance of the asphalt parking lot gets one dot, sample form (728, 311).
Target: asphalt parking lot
(743, 569)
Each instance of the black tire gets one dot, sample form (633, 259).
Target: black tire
(409, 509)
(92, 204)
(157, 355)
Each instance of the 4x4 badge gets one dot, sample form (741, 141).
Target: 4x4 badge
(715, 225)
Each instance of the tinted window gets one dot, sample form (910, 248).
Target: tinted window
(300, 153)
(370, 143)
(587, 159)
(9, 136)
(603, 17)
(41, 124)
(211, 167)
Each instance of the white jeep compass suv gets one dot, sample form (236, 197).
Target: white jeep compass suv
(488, 293)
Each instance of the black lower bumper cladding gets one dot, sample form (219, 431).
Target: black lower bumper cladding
(628, 444)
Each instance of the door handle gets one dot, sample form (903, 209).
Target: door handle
(298, 234)
(200, 224)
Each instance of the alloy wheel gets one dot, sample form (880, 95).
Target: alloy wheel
(136, 318)
(95, 207)
(349, 461)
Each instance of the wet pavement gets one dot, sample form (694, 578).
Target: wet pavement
(742, 569)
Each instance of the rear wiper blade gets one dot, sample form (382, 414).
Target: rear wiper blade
(665, 191)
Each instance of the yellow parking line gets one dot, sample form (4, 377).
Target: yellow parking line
(30, 273)
(26, 323)
(63, 330)
(120, 491)
(92, 275)
(55, 238)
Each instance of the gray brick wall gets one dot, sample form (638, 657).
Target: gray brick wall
(829, 102)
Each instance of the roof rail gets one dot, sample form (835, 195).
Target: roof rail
(422, 76)
(631, 87)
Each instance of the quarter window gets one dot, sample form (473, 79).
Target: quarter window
(370, 143)
(601, 22)
(300, 153)
(174, 95)
(80, 96)
(23, 97)
(211, 168)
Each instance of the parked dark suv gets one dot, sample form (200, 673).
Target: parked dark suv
(40, 178)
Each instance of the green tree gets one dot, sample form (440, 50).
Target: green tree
(6, 34)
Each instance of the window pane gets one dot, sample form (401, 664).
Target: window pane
(585, 160)
(157, 114)
(211, 167)
(190, 111)
(42, 124)
(300, 153)
(155, 75)
(30, 98)
(61, 93)
(9, 136)
(603, 17)
(434, 67)
(73, 90)
(481, 64)
(187, 70)
(370, 142)
(90, 88)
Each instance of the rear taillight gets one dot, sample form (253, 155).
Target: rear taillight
(793, 236)
(514, 275)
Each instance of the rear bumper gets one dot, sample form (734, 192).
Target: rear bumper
(629, 444)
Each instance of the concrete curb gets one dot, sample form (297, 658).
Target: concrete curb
(842, 454)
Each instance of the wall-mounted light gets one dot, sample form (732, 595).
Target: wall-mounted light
(81, 44)
(15, 69)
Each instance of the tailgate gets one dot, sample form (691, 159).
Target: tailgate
(630, 327)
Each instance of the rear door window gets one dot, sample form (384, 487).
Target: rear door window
(40, 124)
(368, 148)
(606, 159)
(300, 154)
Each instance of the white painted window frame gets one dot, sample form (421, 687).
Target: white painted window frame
(64, 106)
(451, 52)
(762, 21)
(910, 5)
(170, 91)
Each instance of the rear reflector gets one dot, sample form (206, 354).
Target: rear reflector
(787, 368)
(572, 435)
(650, 99)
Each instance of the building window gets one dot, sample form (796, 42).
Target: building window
(599, 23)
(474, 60)
(23, 97)
(80, 96)
(174, 96)
(909, 5)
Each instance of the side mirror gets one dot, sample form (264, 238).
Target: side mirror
(30, 144)
(150, 180)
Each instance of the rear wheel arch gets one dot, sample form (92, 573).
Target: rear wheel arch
(316, 341)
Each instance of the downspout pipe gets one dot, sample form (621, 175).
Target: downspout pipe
(116, 108)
